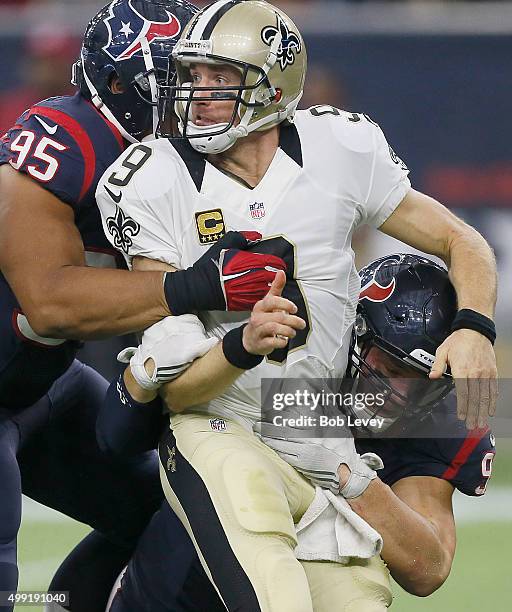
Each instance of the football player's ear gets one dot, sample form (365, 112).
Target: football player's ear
(116, 87)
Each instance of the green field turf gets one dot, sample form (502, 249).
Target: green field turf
(481, 577)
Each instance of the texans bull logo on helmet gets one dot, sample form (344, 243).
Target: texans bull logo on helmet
(374, 291)
(127, 29)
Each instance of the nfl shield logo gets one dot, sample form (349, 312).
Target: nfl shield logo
(218, 424)
(257, 210)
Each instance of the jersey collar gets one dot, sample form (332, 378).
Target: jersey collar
(289, 142)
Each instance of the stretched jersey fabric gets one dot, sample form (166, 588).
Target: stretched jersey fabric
(461, 457)
(332, 172)
(65, 145)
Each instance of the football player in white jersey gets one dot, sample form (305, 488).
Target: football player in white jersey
(305, 180)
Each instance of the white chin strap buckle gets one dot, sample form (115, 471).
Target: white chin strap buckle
(97, 101)
(241, 131)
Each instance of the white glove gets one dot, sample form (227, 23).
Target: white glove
(319, 459)
(173, 343)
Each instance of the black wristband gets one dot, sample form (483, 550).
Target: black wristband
(178, 293)
(234, 350)
(190, 290)
(470, 319)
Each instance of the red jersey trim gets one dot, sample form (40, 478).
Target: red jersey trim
(81, 138)
(468, 446)
(116, 133)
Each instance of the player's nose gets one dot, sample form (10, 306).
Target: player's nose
(203, 95)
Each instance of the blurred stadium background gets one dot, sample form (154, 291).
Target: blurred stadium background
(437, 77)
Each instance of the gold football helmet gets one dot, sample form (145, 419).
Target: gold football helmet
(263, 44)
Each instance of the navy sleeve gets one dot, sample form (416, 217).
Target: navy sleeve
(52, 148)
(465, 462)
(125, 427)
(471, 467)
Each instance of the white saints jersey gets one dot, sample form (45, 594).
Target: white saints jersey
(332, 172)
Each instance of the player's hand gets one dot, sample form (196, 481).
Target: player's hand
(167, 349)
(273, 321)
(472, 362)
(319, 459)
(226, 277)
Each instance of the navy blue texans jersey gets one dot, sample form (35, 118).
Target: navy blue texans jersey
(65, 145)
(462, 458)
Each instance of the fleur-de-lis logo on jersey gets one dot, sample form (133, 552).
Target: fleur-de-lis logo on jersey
(290, 42)
(171, 462)
(122, 228)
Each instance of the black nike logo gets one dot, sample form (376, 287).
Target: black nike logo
(115, 197)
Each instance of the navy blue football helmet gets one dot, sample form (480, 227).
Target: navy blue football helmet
(130, 39)
(406, 308)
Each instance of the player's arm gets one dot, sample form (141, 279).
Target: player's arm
(472, 270)
(207, 378)
(129, 420)
(415, 520)
(420, 221)
(470, 260)
(419, 517)
(42, 258)
(184, 391)
(271, 325)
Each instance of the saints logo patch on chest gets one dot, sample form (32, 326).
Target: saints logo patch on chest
(210, 225)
